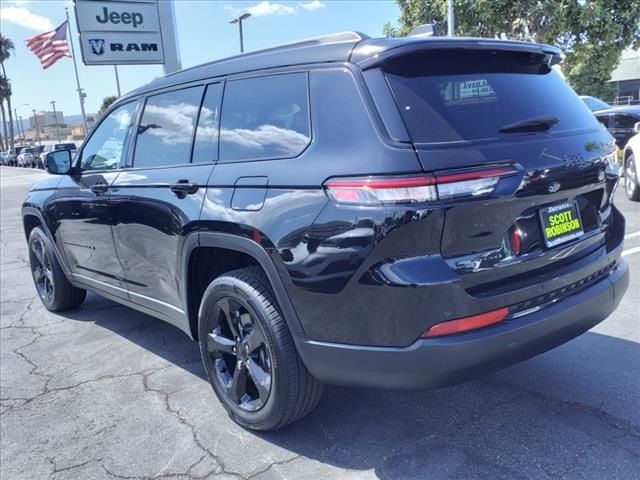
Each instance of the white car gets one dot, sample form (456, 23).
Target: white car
(26, 158)
(72, 147)
(631, 156)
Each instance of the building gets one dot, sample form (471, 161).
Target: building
(46, 119)
(625, 79)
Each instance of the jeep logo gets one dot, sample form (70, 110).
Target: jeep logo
(133, 18)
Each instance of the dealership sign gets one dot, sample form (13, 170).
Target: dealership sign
(129, 32)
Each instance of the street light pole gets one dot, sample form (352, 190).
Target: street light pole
(451, 22)
(239, 20)
(21, 128)
(55, 119)
(35, 119)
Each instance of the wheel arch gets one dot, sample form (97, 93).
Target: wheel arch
(31, 218)
(241, 245)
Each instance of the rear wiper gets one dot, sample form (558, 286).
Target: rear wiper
(537, 124)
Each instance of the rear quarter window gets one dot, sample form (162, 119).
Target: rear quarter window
(265, 117)
(452, 96)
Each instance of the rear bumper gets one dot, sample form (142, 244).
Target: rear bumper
(437, 362)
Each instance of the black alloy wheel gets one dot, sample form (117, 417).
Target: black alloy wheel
(241, 360)
(42, 270)
(52, 286)
(249, 354)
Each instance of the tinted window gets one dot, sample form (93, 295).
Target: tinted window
(205, 148)
(447, 96)
(166, 128)
(624, 121)
(603, 119)
(265, 117)
(104, 148)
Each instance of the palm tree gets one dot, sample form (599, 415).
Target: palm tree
(6, 47)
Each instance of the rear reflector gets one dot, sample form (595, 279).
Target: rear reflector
(467, 323)
(416, 189)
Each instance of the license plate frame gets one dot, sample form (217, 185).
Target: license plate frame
(558, 223)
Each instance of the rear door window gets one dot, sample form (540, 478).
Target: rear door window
(623, 121)
(166, 129)
(265, 117)
(452, 96)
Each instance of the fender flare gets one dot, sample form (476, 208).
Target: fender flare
(248, 247)
(32, 211)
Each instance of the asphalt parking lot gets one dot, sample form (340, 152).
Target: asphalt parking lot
(106, 392)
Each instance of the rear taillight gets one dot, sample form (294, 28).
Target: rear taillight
(417, 189)
(466, 324)
(382, 191)
(471, 183)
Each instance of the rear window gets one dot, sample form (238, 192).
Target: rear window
(65, 146)
(453, 95)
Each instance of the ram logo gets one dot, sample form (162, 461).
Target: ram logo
(97, 46)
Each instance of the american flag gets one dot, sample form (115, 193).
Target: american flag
(51, 46)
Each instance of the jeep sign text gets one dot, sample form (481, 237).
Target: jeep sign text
(133, 18)
(106, 16)
(121, 32)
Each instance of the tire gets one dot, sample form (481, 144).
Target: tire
(53, 288)
(278, 389)
(631, 180)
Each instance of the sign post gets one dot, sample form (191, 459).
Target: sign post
(128, 32)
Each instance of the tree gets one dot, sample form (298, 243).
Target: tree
(106, 103)
(6, 47)
(592, 34)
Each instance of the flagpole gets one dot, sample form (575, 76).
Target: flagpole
(75, 67)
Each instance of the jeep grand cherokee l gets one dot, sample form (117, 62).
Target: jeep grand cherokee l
(396, 213)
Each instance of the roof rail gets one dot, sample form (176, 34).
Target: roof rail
(322, 39)
(340, 37)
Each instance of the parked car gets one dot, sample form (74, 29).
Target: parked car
(27, 157)
(631, 156)
(620, 122)
(594, 103)
(468, 185)
(52, 147)
(4, 158)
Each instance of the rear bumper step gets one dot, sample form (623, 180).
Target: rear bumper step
(437, 362)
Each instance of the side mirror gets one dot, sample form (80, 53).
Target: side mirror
(636, 127)
(59, 162)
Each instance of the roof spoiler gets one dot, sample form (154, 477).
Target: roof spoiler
(424, 30)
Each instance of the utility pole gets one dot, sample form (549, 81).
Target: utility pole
(451, 21)
(115, 69)
(81, 94)
(239, 20)
(15, 115)
(21, 128)
(55, 119)
(35, 119)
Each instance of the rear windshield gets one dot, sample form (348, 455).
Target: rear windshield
(455, 95)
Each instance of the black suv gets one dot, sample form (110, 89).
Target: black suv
(396, 213)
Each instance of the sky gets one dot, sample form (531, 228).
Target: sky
(204, 34)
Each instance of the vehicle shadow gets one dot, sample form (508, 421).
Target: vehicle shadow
(558, 413)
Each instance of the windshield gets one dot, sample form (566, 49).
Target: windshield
(452, 96)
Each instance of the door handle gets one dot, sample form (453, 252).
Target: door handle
(184, 187)
(98, 188)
